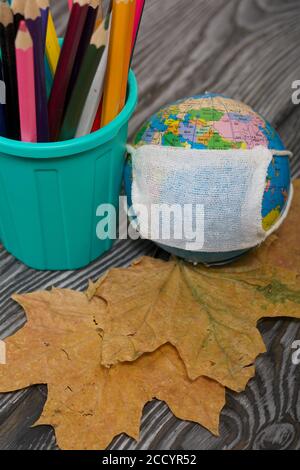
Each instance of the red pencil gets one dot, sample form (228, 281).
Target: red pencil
(137, 22)
(26, 85)
(57, 100)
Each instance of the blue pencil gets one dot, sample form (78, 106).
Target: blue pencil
(44, 9)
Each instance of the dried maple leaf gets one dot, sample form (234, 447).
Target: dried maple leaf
(208, 314)
(87, 404)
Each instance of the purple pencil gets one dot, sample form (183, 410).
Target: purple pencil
(44, 9)
(34, 24)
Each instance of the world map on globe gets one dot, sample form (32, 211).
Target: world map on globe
(212, 121)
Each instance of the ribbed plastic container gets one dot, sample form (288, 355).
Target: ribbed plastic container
(49, 193)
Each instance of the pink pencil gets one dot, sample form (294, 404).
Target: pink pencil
(26, 83)
(70, 3)
(137, 20)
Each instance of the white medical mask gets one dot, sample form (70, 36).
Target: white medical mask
(224, 188)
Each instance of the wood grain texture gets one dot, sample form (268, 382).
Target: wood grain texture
(248, 50)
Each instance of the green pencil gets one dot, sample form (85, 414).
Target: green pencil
(86, 75)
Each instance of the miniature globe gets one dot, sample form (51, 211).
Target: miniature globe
(212, 121)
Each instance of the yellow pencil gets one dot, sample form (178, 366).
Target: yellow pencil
(127, 55)
(52, 45)
(118, 45)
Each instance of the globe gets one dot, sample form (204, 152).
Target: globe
(212, 121)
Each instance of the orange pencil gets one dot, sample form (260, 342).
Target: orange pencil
(118, 47)
(128, 53)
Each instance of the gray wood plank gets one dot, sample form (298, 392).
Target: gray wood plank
(248, 50)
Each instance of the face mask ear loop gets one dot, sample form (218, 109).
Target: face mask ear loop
(282, 153)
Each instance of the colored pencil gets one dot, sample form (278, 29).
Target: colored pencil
(140, 4)
(92, 109)
(116, 59)
(26, 84)
(88, 69)
(52, 45)
(57, 100)
(2, 104)
(84, 43)
(18, 8)
(128, 52)
(7, 40)
(44, 9)
(97, 119)
(100, 15)
(34, 24)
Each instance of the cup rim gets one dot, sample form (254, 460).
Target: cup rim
(79, 144)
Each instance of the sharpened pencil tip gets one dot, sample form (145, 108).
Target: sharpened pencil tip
(32, 10)
(22, 26)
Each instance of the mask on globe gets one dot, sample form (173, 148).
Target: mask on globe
(202, 200)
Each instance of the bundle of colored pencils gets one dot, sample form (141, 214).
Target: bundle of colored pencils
(50, 92)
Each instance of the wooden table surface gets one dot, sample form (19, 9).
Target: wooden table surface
(248, 50)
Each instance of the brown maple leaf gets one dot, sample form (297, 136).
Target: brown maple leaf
(88, 405)
(208, 314)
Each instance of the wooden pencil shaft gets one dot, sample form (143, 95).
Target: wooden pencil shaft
(56, 105)
(87, 72)
(18, 6)
(23, 40)
(42, 4)
(7, 40)
(6, 14)
(35, 29)
(100, 14)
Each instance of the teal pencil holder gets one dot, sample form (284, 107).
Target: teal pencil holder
(49, 193)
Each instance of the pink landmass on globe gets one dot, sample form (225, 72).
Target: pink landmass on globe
(242, 130)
